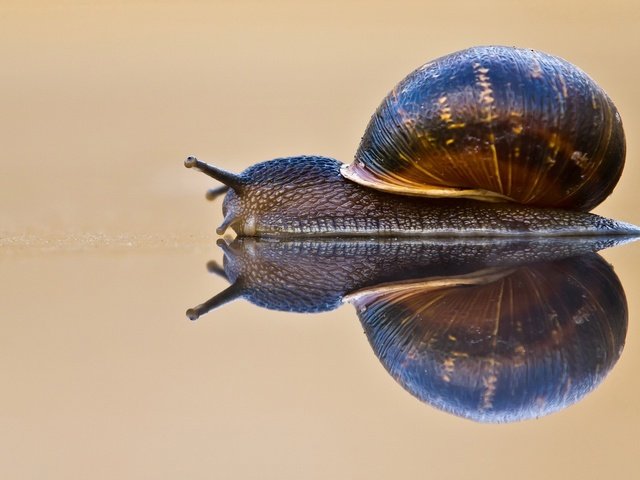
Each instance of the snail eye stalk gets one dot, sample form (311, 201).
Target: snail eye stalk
(231, 180)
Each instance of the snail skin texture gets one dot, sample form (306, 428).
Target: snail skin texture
(487, 141)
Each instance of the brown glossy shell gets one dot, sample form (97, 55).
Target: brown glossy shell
(495, 123)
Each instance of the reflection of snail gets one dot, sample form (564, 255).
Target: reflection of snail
(493, 330)
(510, 141)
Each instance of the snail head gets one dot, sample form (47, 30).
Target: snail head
(234, 186)
(264, 195)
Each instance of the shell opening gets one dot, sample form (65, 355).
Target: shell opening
(399, 186)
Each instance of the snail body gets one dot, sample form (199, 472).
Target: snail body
(486, 141)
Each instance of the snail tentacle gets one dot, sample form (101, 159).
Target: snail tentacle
(231, 180)
(214, 193)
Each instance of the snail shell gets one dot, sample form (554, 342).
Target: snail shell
(495, 123)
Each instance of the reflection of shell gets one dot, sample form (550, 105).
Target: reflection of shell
(501, 344)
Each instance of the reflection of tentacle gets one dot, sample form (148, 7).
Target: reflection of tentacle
(214, 267)
(520, 346)
(229, 294)
(230, 250)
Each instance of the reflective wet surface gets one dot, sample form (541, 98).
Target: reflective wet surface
(494, 330)
(105, 239)
(102, 367)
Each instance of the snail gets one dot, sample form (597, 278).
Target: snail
(494, 330)
(483, 142)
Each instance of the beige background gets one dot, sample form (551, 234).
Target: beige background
(104, 238)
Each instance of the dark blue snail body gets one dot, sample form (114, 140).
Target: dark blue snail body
(486, 141)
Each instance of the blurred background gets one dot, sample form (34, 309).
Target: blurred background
(104, 236)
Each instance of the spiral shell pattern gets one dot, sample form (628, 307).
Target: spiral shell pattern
(499, 124)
